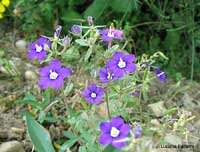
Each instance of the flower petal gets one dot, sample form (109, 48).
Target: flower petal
(105, 127)
(130, 67)
(118, 55)
(55, 64)
(44, 71)
(44, 82)
(117, 122)
(105, 139)
(124, 130)
(117, 144)
(129, 58)
(64, 72)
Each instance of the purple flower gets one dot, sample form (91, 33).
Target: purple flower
(138, 132)
(58, 31)
(53, 75)
(110, 34)
(135, 93)
(121, 63)
(90, 20)
(113, 131)
(93, 94)
(107, 75)
(38, 48)
(160, 75)
(76, 29)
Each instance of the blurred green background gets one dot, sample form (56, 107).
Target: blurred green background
(170, 26)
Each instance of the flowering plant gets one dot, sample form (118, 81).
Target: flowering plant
(118, 84)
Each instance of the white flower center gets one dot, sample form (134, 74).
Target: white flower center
(114, 132)
(110, 76)
(110, 33)
(160, 74)
(38, 48)
(53, 75)
(121, 63)
(93, 95)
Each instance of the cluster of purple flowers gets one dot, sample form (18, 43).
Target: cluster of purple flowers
(115, 131)
(117, 67)
(53, 75)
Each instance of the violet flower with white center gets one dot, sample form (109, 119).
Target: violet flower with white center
(121, 63)
(53, 75)
(107, 75)
(114, 131)
(38, 49)
(160, 75)
(57, 32)
(93, 94)
(110, 34)
(76, 29)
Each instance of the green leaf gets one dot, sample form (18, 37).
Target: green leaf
(30, 99)
(126, 6)
(69, 134)
(88, 54)
(112, 49)
(82, 149)
(110, 148)
(70, 16)
(97, 8)
(67, 145)
(38, 135)
(68, 89)
(81, 42)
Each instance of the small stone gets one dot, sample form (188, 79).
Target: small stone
(155, 122)
(30, 75)
(21, 45)
(11, 146)
(158, 108)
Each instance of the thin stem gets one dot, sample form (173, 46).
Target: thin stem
(107, 104)
(193, 51)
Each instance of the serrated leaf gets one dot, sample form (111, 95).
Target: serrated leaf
(97, 8)
(39, 135)
(88, 54)
(81, 42)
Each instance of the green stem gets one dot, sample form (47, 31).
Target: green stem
(107, 104)
(193, 51)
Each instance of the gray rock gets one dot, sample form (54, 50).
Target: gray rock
(158, 108)
(11, 146)
(21, 45)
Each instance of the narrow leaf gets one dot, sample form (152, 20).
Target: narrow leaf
(39, 135)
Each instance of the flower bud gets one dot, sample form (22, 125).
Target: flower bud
(66, 41)
(90, 20)
(76, 29)
(58, 31)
